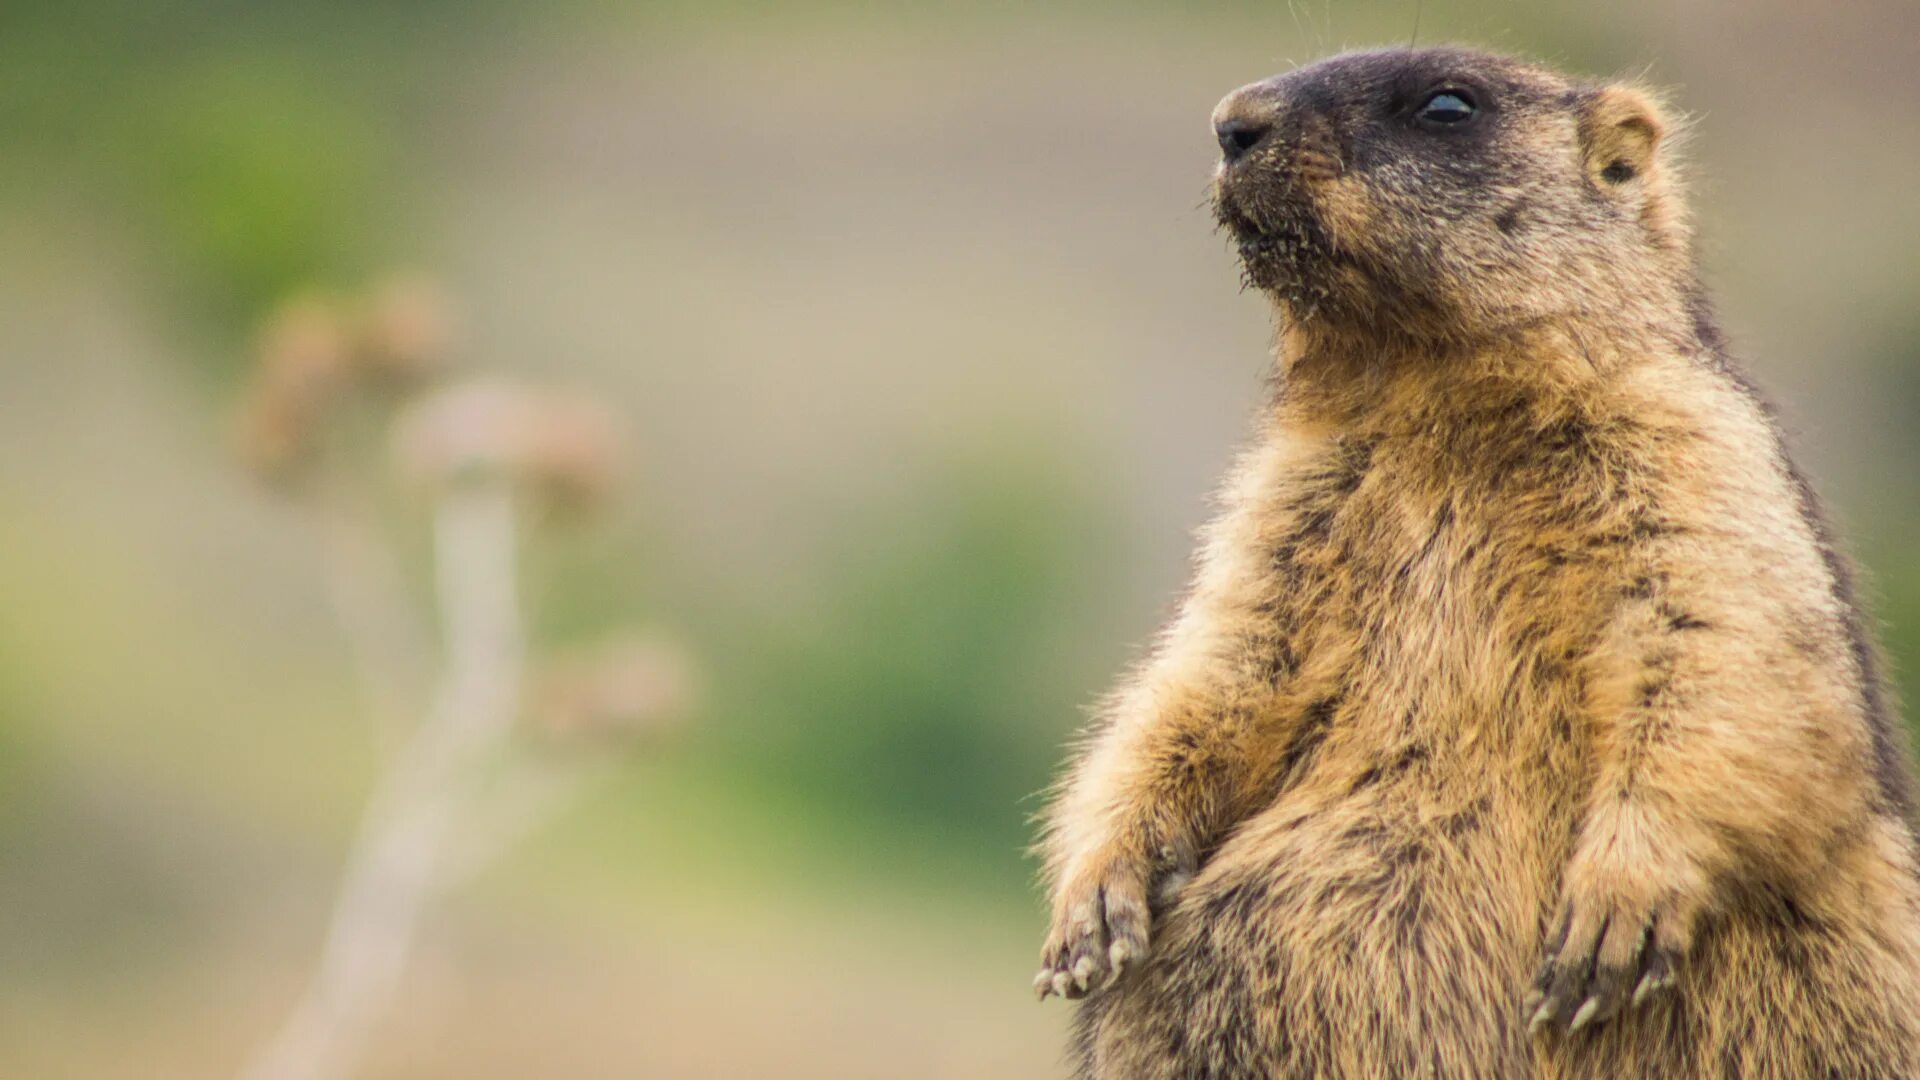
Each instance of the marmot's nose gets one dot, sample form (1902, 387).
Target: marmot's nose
(1246, 118)
(1237, 136)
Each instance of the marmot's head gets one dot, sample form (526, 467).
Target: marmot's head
(1446, 192)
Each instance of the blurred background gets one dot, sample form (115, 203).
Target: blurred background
(905, 357)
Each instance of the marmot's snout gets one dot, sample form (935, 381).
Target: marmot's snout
(1272, 141)
(1275, 151)
(1246, 118)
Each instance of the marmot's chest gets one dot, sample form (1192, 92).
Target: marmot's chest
(1437, 602)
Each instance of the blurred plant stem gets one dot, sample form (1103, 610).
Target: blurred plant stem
(398, 863)
(367, 591)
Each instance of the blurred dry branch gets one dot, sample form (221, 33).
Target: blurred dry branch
(393, 871)
(460, 789)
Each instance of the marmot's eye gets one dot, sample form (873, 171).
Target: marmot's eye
(1446, 107)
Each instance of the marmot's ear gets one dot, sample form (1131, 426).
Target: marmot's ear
(1620, 132)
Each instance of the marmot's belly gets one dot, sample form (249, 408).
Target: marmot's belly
(1351, 940)
(1390, 934)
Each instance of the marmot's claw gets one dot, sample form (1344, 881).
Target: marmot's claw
(1657, 977)
(1100, 926)
(1598, 966)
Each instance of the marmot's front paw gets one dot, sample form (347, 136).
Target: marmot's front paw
(1610, 952)
(1100, 919)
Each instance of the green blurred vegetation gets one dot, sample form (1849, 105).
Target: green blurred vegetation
(928, 686)
(919, 689)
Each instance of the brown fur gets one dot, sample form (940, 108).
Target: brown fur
(1518, 722)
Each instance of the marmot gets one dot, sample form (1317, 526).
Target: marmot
(1520, 721)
